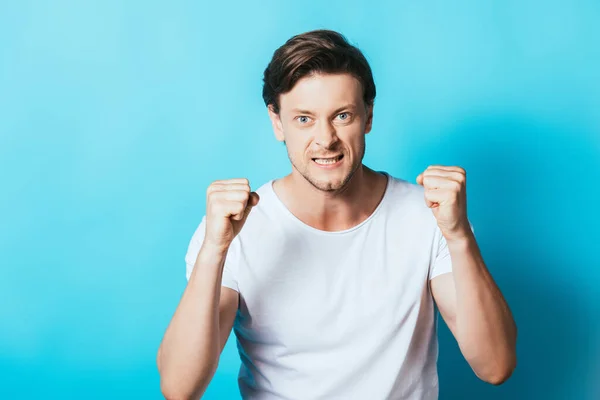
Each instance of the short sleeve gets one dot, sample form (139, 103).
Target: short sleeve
(442, 262)
(229, 279)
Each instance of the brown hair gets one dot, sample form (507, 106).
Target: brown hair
(318, 51)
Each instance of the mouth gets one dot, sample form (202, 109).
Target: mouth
(328, 161)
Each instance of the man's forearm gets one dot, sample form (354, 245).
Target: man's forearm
(485, 329)
(189, 353)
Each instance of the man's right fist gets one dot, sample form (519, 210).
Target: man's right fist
(228, 203)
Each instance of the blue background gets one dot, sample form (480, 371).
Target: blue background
(115, 116)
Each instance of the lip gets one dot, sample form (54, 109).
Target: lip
(328, 166)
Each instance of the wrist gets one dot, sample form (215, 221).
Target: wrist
(461, 241)
(212, 251)
(462, 235)
(459, 232)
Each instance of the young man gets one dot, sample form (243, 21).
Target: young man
(329, 275)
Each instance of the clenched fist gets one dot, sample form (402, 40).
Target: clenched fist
(228, 203)
(446, 195)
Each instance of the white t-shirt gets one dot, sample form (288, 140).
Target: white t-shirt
(336, 315)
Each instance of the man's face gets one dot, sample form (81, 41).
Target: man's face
(323, 121)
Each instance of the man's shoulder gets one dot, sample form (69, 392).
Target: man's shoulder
(401, 189)
(268, 207)
(265, 188)
(407, 199)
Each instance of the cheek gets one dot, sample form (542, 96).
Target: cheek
(297, 142)
(354, 141)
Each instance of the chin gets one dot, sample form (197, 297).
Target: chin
(325, 186)
(329, 184)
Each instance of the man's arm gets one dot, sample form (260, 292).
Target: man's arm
(468, 298)
(189, 353)
(476, 313)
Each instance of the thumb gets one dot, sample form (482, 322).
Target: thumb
(254, 198)
(252, 201)
(420, 179)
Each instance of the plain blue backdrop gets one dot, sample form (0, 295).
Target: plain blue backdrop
(115, 117)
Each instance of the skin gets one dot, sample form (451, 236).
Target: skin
(324, 116)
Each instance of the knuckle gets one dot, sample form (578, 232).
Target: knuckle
(239, 181)
(212, 194)
(238, 195)
(213, 187)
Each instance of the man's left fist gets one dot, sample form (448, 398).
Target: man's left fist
(446, 195)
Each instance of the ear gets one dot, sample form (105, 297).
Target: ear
(369, 123)
(276, 123)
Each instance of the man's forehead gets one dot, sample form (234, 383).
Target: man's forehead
(323, 92)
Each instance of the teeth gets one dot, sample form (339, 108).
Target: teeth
(325, 161)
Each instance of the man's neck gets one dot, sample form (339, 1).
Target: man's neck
(333, 211)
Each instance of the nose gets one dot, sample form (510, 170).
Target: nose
(325, 135)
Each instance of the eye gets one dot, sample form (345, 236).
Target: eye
(303, 119)
(344, 116)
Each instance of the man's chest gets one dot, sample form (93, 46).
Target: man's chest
(316, 293)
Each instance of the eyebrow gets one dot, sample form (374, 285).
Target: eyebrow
(301, 111)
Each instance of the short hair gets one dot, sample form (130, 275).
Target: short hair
(313, 52)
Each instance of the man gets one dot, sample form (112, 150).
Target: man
(329, 275)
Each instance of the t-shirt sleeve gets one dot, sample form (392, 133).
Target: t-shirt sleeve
(229, 277)
(442, 262)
